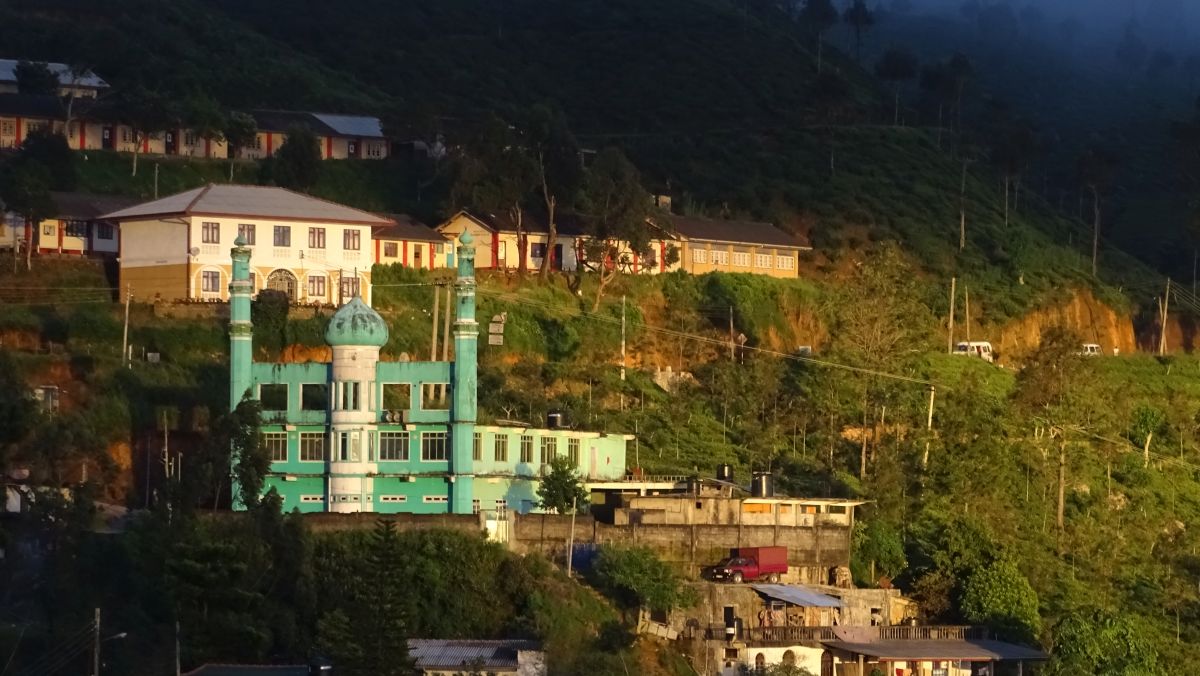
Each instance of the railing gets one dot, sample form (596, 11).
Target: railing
(210, 249)
(281, 252)
(799, 635)
(657, 478)
(788, 635)
(952, 633)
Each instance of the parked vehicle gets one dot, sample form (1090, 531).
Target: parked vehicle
(980, 349)
(748, 564)
(1090, 350)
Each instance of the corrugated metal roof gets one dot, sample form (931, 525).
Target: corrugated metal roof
(734, 232)
(352, 125)
(797, 595)
(44, 106)
(970, 650)
(408, 228)
(249, 201)
(452, 654)
(86, 206)
(8, 73)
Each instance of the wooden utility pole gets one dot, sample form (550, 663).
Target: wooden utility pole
(96, 644)
(1164, 308)
(433, 332)
(928, 427)
(967, 311)
(571, 536)
(166, 455)
(950, 333)
(731, 341)
(125, 335)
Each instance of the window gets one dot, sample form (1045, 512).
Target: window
(189, 138)
(477, 447)
(350, 287)
(439, 247)
(349, 447)
(273, 397)
(526, 448)
(275, 443)
(349, 399)
(431, 499)
(316, 238)
(126, 135)
(48, 228)
(104, 231)
(549, 449)
(500, 446)
(314, 397)
(312, 498)
(501, 504)
(374, 150)
(433, 446)
(312, 446)
(393, 446)
(435, 396)
(397, 396)
(762, 260)
(417, 255)
(258, 141)
(246, 232)
(210, 281)
(210, 232)
(573, 451)
(785, 262)
(283, 235)
(350, 240)
(475, 506)
(720, 258)
(76, 229)
(741, 259)
(699, 256)
(8, 128)
(537, 250)
(316, 285)
(390, 249)
(393, 498)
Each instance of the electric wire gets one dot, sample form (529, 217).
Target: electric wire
(72, 646)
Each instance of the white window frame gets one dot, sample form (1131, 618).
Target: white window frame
(393, 436)
(720, 257)
(268, 438)
(741, 259)
(433, 436)
(785, 262)
(307, 436)
(207, 276)
(435, 499)
(699, 256)
(393, 498)
(500, 447)
(762, 261)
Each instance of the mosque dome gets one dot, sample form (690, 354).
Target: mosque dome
(355, 323)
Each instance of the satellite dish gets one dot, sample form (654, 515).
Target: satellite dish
(195, 251)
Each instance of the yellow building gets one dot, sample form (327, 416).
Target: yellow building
(177, 247)
(339, 137)
(498, 240)
(711, 245)
(412, 244)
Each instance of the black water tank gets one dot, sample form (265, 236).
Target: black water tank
(762, 485)
(556, 420)
(693, 485)
(725, 473)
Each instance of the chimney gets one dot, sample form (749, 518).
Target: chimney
(663, 202)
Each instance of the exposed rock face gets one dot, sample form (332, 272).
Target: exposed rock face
(1095, 322)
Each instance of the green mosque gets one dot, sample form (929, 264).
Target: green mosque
(365, 435)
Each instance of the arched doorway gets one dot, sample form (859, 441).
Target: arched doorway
(789, 659)
(826, 663)
(760, 663)
(283, 280)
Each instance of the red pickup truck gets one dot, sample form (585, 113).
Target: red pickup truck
(748, 564)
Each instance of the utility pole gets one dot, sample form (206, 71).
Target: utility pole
(177, 669)
(156, 180)
(950, 335)
(433, 333)
(571, 536)
(125, 335)
(96, 644)
(967, 311)
(731, 343)
(1164, 308)
(928, 427)
(622, 351)
(445, 389)
(166, 456)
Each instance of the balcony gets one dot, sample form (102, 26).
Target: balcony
(789, 636)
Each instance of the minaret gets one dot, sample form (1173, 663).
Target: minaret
(241, 330)
(465, 380)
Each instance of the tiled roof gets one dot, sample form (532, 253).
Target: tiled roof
(568, 224)
(249, 201)
(734, 232)
(408, 228)
(32, 105)
(321, 124)
(86, 206)
(452, 654)
(249, 670)
(8, 73)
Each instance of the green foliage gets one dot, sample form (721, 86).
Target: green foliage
(1100, 642)
(269, 312)
(297, 163)
(1000, 597)
(50, 150)
(561, 488)
(251, 461)
(35, 77)
(634, 577)
(878, 550)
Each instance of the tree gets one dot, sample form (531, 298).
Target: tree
(239, 130)
(25, 189)
(1000, 597)
(896, 66)
(1012, 149)
(861, 18)
(205, 117)
(879, 547)
(819, 16)
(1096, 168)
(938, 84)
(1096, 641)
(634, 577)
(497, 174)
(297, 163)
(615, 210)
(1132, 50)
(50, 150)
(147, 113)
(250, 459)
(555, 154)
(561, 491)
(35, 77)
(19, 414)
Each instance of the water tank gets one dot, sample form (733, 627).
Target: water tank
(725, 473)
(762, 485)
(693, 485)
(556, 420)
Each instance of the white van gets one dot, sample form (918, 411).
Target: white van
(1090, 350)
(980, 349)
